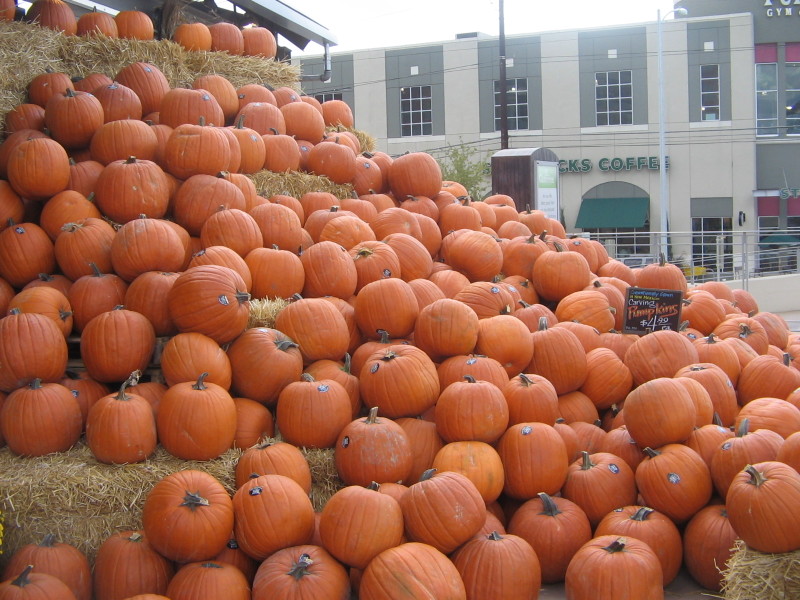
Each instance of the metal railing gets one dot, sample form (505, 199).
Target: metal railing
(711, 255)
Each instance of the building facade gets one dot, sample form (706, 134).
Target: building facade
(731, 122)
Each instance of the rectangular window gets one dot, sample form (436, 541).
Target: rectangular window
(793, 98)
(325, 96)
(516, 104)
(613, 93)
(766, 99)
(712, 243)
(709, 92)
(416, 112)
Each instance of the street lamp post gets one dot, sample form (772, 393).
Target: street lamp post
(663, 199)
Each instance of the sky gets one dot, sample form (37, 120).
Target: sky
(358, 25)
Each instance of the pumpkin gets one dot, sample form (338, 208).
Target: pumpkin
(263, 362)
(40, 418)
(559, 356)
(362, 446)
(271, 512)
(747, 447)
(193, 149)
(61, 560)
(482, 368)
(357, 524)
(181, 106)
(636, 569)
(259, 41)
(477, 461)
(226, 37)
(72, 118)
(209, 577)
(188, 516)
(311, 413)
(599, 483)
(187, 354)
(116, 343)
(192, 36)
(126, 565)
(317, 326)
(659, 354)
(719, 388)
(661, 275)
(659, 412)
(708, 543)
(210, 299)
(86, 390)
(134, 25)
(298, 572)
(120, 428)
(674, 480)
(146, 244)
(31, 347)
(34, 585)
(755, 502)
(471, 410)
(94, 294)
(555, 528)
(271, 457)
(425, 444)
(46, 301)
(38, 168)
(129, 188)
(535, 460)
(767, 376)
(53, 14)
(401, 380)
(184, 414)
(147, 294)
(25, 116)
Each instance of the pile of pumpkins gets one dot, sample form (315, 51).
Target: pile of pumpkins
(491, 427)
(137, 25)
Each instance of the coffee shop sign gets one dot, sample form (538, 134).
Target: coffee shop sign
(782, 8)
(630, 163)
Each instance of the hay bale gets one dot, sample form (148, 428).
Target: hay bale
(263, 312)
(28, 50)
(82, 501)
(753, 575)
(297, 183)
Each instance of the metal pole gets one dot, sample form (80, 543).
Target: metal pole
(663, 199)
(503, 84)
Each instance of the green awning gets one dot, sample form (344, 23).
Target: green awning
(779, 239)
(608, 213)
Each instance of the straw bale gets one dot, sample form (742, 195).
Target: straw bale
(366, 141)
(297, 183)
(26, 50)
(753, 575)
(263, 311)
(82, 501)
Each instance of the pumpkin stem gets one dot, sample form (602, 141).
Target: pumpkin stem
(744, 428)
(494, 536)
(717, 420)
(300, 568)
(650, 452)
(285, 344)
(200, 384)
(756, 477)
(662, 260)
(470, 379)
(48, 541)
(711, 339)
(35, 384)
(642, 513)
(346, 367)
(240, 122)
(130, 160)
(617, 545)
(372, 417)
(22, 580)
(787, 359)
(526, 381)
(586, 461)
(194, 500)
(374, 486)
(542, 324)
(131, 381)
(549, 507)
(307, 377)
(135, 537)
(95, 269)
(427, 474)
(242, 297)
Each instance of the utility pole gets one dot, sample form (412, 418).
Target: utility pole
(503, 84)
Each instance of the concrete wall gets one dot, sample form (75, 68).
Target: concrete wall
(773, 294)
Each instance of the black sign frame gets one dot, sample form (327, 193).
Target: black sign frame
(649, 310)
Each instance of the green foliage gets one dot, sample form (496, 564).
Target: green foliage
(464, 164)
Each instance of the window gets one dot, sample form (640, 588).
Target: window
(712, 243)
(517, 104)
(767, 99)
(325, 96)
(793, 98)
(416, 114)
(709, 92)
(613, 95)
(631, 245)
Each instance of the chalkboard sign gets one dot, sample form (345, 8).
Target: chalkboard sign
(651, 310)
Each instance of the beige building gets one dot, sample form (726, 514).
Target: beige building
(590, 97)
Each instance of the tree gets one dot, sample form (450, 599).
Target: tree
(463, 164)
